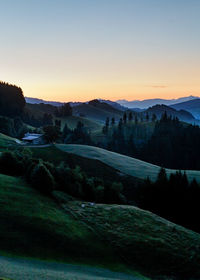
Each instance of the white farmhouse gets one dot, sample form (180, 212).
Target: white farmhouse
(33, 138)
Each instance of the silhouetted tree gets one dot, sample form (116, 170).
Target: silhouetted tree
(47, 119)
(12, 101)
(51, 133)
(63, 111)
(113, 121)
(153, 118)
(130, 116)
(66, 131)
(58, 123)
(106, 126)
(136, 119)
(125, 117)
(120, 124)
(147, 116)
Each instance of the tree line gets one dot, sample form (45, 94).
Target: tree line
(12, 101)
(169, 143)
(47, 177)
(173, 198)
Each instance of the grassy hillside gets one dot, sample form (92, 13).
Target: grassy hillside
(7, 141)
(38, 111)
(124, 164)
(92, 167)
(35, 226)
(72, 121)
(146, 241)
(105, 235)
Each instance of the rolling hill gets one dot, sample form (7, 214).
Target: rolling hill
(6, 141)
(33, 225)
(145, 240)
(72, 121)
(97, 111)
(124, 164)
(123, 238)
(114, 104)
(182, 115)
(38, 111)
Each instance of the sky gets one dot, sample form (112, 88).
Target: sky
(78, 50)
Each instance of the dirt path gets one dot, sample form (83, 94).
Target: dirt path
(18, 269)
(36, 146)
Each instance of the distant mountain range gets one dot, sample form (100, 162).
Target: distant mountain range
(144, 104)
(192, 106)
(32, 100)
(186, 107)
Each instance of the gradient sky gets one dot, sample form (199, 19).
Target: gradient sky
(113, 49)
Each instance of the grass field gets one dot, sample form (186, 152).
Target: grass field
(122, 238)
(72, 121)
(38, 111)
(7, 141)
(124, 164)
(35, 226)
(146, 241)
(26, 269)
(92, 167)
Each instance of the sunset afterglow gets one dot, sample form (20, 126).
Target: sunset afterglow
(83, 49)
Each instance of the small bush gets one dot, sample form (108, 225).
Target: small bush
(42, 179)
(9, 164)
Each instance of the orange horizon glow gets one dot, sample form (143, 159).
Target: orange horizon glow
(115, 49)
(108, 92)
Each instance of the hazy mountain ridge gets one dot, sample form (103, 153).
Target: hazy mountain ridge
(32, 100)
(146, 103)
(183, 115)
(192, 106)
(114, 104)
(123, 105)
(97, 110)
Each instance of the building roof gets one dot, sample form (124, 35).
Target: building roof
(31, 136)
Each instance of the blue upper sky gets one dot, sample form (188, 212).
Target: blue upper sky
(78, 50)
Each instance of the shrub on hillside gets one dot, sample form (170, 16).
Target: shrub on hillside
(42, 179)
(51, 133)
(63, 111)
(9, 164)
(115, 192)
(99, 193)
